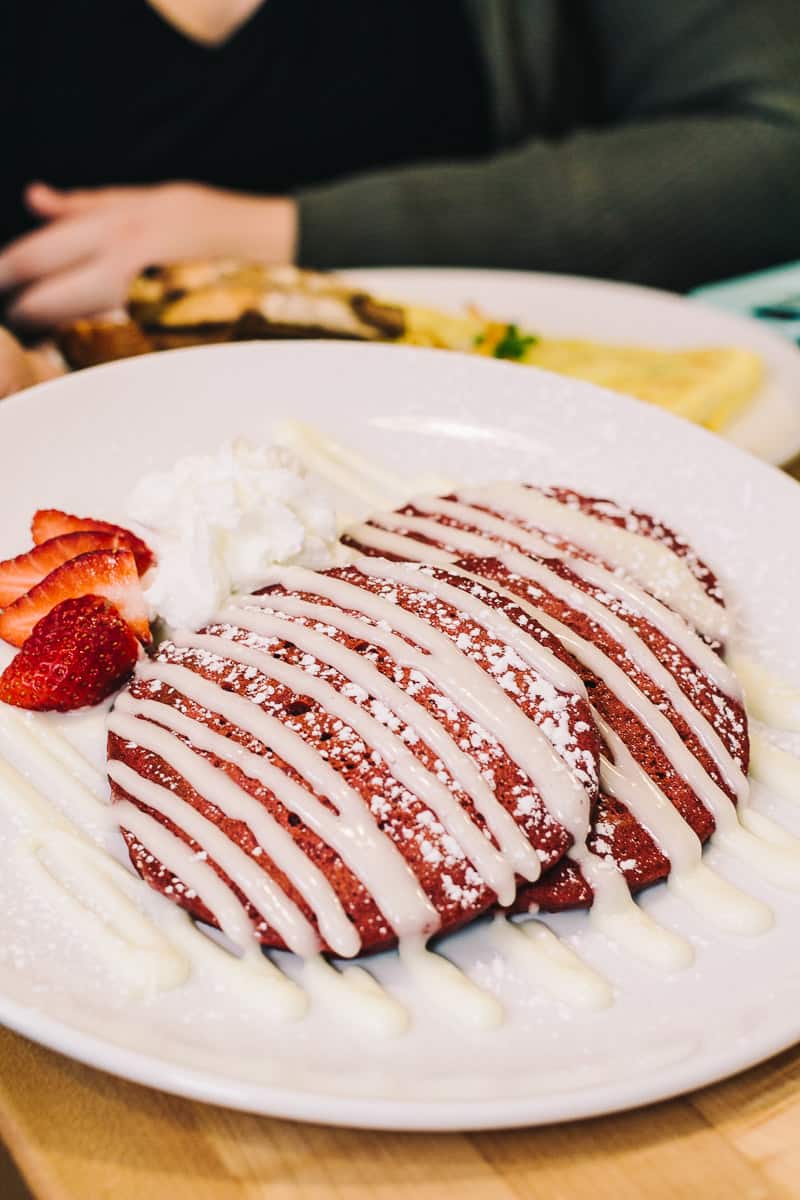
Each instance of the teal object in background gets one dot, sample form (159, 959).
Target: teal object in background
(771, 296)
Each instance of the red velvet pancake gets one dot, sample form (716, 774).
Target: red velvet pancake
(454, 888)
(615, 831)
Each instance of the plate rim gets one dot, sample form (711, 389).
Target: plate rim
(381, 1113)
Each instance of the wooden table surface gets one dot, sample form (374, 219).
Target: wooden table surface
(78, 1134)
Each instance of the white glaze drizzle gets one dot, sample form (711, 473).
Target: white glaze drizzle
(355, 996)
(619, 918)
(101, 890)
(354, 474)
(641, 656)
(773, 767)
(144, 956)
(651, 717)
(437, 976)
(450, 987)
(54, 745)
(651, 563)
(390, 533)
(778, 859)
(669, 623)
(769, 832)
(748, 835)
(769, 698)
(424, 965)
(497, 528)
(761, 843)
(616, 915)
(353, 834)
(95, 889)
(693, 594)
(493, 620)
(99, 895)
(706, 892)
(461, 766)
(614, 912)
(376, 537)
(355, 483)
(621, 587)
(548, 962)
(426, 663)
(22, 743)
(496, 868)
(287, 1000)
(278, 909)
(475, 692)
(247, 976)
(220, 790)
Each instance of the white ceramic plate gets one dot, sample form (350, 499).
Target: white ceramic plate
(568, 306)
(81, 442)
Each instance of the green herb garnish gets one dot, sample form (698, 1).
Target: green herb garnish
(479, 339)
(513, 344)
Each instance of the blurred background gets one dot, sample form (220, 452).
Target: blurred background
(658, 144)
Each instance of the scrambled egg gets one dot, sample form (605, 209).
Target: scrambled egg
(707, 386)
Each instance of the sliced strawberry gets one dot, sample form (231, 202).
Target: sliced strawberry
(50, 523)
(78, 654)
(109, 573)
(18, 575)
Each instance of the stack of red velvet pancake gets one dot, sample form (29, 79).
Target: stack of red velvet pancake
(482, 708)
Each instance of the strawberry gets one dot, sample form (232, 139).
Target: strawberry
(18, 575)
(78, 654)
(109, 573)
(50, 523)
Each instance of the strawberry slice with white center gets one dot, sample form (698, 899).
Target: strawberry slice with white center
(108, 573)
(50, 523)
(18, 575)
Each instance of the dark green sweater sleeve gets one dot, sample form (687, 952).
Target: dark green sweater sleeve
(693, 174)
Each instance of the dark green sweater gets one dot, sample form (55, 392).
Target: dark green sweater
(656, 141)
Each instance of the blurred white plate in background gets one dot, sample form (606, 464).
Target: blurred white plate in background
(568, 306)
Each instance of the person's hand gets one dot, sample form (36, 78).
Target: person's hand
(82, 261)
(21, 368)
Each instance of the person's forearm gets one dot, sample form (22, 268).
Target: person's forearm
(92, 242)
(259, 227)
(669, 202)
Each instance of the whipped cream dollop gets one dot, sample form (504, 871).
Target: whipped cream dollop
(217, 521)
